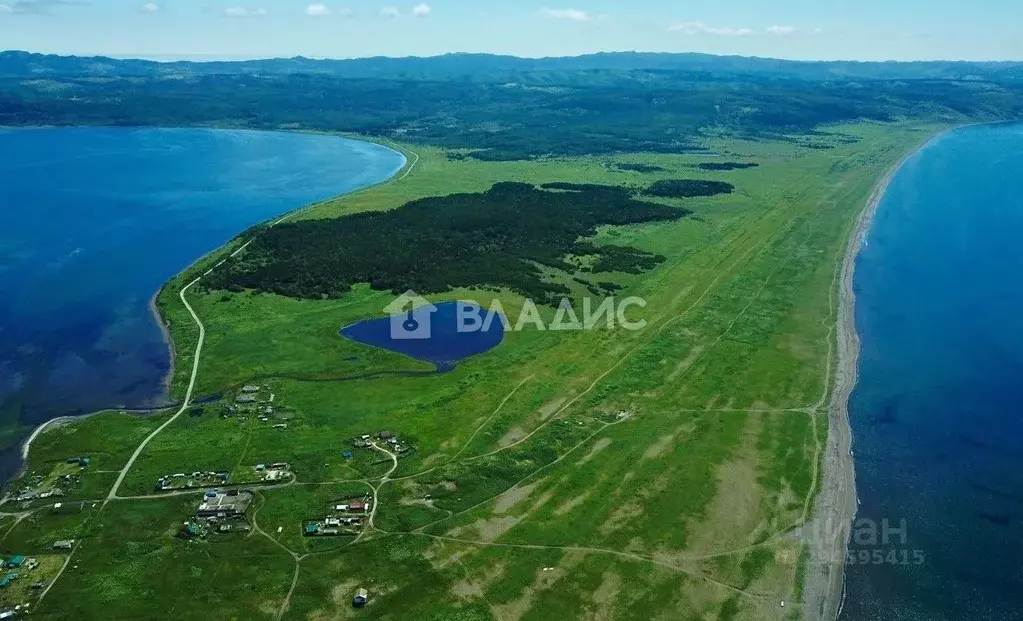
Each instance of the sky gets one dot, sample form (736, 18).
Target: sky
(795, 29)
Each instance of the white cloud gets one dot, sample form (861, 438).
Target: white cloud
(781, 31)
(390, 11)
(241, 11)
(38, 7)
(695, 28)
(574, 15)
(149, 7)
(422, 10)
(317, 10)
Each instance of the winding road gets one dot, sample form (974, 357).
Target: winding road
(198, 351)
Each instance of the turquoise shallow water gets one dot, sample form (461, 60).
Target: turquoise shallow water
(937, 415)
(95, 220)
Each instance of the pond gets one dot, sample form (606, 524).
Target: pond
(439, 335)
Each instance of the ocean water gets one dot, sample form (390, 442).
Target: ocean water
(441, 337)
(937, 416)
(95, 220)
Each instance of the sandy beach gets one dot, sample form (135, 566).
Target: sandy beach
(835, 507)
(165, 330)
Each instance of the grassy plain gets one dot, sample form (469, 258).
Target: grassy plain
(527, 496)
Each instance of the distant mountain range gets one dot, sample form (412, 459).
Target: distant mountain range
(487, 67)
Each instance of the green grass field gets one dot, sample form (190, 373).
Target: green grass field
(527, 496)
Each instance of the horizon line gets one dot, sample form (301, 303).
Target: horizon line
(214, 58)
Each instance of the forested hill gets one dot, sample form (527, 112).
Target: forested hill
(484, 67)
(504, 108)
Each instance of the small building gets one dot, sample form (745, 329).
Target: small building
(224, 505)
(385, 435)
(357, 507)
(311, 529)
(250, 389)
(245, 399)
(15, 561)
(190, 530)
(360, 599)
(348, 454)
(64, 544)
(7, 579)
(341, 507)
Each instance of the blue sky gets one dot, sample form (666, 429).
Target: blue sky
(800, 29)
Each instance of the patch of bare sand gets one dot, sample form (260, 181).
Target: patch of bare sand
(436, 458)
(687, 362)
(736, 514)
(572, 504)
(606, 596)
(487, 529)
(467, 590)
(551, 407)
(623, 514)
(659, 447)
(701, 602)
(513, 496)
(514, 435)
(542, 581)
(269, 607)
(597, 447)
(340, 597)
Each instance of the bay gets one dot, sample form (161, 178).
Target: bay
(96, 220)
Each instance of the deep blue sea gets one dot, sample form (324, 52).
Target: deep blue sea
(937, 415)
(442, 337)
(95, 220)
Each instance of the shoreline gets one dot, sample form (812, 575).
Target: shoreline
(827, 533)
(168, 377)
(167, 382)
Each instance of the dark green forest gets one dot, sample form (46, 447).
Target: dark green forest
(499, 108)
(496, 238)
(631, 167)
(688, 188)
(726, 165)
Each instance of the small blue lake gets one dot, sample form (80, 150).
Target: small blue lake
(442, 338)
